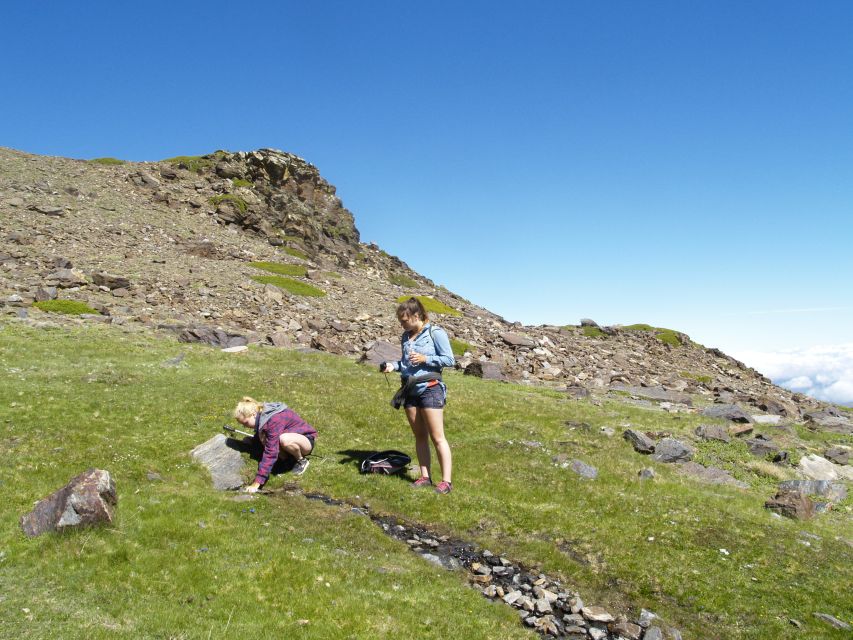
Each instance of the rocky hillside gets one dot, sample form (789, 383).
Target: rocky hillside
(174, 245)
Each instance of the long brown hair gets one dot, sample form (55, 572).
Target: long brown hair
(412, 307)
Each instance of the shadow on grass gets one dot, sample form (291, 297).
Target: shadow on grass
(357, 456)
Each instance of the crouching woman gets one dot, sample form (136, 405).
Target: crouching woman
(281, 431)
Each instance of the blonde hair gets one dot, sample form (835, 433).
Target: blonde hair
(246, 407)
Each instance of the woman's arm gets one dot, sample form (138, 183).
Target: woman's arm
(443, 352)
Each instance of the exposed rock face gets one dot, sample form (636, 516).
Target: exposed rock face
(224, 463)
(88, 499)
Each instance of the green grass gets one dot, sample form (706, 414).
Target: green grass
(230, 197)
(402, 280)
(459, 347)
(184, 561)
(432, 305)
(667, 336)
(107, 161)
(69, 307)
(196, 164)
(293, 286)
(594, 332)
(240, 182)
(296, 253)
(696, 376)
(282, 269)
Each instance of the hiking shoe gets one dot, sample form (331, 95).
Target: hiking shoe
(300, 466)
(422, 482)
(443, 487)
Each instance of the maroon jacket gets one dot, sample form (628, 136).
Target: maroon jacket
(286, 421)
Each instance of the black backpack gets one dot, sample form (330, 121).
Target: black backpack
(386, 462)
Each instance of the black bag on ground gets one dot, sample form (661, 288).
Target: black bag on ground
(386, 462)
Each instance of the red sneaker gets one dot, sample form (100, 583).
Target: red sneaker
(443, 487)
(422, 482)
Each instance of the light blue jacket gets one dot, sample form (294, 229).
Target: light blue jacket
(436, 348)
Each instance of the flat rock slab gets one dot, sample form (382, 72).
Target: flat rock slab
(517, 340)
(87, 499)
(727, 412)
(225, 464)
(710, 475)
(655, 393)
(815, 467)
(672, 450)
(382, 351)
(485, 370)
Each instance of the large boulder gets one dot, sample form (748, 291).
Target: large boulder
(672, 450)
(224, 463)
(817, 468)
(712, 432)
(88, 499)
(726, 412)
(485, 370)
(517, 340)
(214, 337)
(791, 504)
(640, 441)
(382, 351)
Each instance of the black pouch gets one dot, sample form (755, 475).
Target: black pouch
(385, 462)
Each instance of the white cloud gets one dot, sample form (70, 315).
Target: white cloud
(824, 372)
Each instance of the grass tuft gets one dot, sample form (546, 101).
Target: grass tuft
(281, 269)
(240, 182)
(293, 286)
(68, 307)
(432, 305)
(667, 336)
(296, 253)
(594, 332)
(107, 161)
(402, 280)
(230, 197)
(459, 347)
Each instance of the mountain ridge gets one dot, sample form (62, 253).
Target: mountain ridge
(184, 237)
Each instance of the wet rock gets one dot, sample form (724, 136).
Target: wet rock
(88, 499)
(713, 432)
(224, 463)
(640, 441)
(791, 504)
(486, 370)
(730, 412)
(672, 450)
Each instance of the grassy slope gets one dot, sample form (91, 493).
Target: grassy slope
(185, 561)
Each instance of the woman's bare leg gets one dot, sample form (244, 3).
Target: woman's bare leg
(434, 419)
(419, 428)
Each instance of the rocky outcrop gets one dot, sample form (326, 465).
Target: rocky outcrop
(88, 499)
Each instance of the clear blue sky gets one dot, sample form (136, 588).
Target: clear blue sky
(685, 164)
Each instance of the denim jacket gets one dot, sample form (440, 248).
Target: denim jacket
(436, 349)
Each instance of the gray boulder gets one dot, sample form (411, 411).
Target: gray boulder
(486, 370)
(710, 475)
(832, 491)
(727, 412)
(224, 463)
(382, 351)
(109, 281)
(712, 432)
(672, 450)
(88, 499)
(640, 441)
(761, 446)
(583, 470)
(517, 340)
(214, 337)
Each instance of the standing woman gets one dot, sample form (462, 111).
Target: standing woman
(426, 350)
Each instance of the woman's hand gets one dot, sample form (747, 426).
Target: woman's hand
(252, 488)
(417, 358)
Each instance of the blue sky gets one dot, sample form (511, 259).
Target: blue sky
(684, 164)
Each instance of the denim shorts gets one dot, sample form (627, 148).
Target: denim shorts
(433, 397)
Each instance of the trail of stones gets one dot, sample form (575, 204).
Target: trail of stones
(542, 602)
